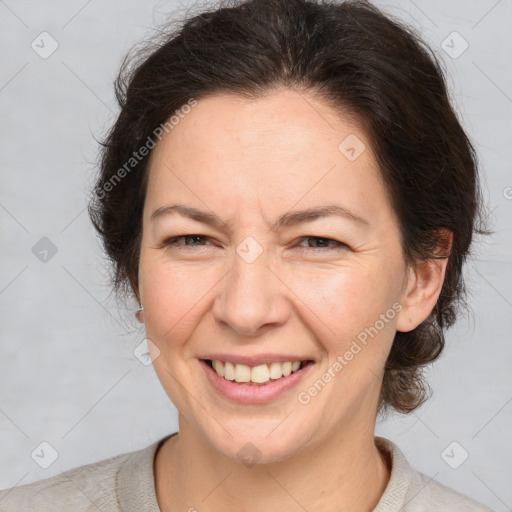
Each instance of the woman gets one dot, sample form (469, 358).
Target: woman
(289, 195)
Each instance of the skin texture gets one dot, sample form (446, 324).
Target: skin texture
(249, 162)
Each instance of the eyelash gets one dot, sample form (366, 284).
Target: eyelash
(339, 245)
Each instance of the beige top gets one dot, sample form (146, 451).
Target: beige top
(125, 483)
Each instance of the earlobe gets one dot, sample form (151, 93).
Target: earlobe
(424, 286)
(405, 321)
(139, 314)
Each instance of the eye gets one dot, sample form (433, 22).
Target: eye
(194, 240)
(335, 245)
(181, 241)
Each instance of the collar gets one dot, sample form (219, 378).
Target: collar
(135, 484)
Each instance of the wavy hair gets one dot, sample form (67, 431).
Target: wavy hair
(358, 59)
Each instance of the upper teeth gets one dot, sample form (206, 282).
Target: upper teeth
(258, 374)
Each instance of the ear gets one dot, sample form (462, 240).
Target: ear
(424, 284)
(139, 315)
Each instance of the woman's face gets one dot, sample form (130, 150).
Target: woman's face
(262, 284)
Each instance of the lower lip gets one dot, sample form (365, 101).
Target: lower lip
(253, 394)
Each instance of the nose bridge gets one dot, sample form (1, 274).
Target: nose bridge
(252, 296)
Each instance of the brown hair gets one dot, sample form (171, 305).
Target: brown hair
(349, 54)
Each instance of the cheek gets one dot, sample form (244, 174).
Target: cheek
(335, 303)
(345, 300)
(173, 296)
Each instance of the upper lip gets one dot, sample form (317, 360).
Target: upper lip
(255, 360)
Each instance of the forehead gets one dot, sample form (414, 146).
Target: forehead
(282, 119)
(285, 147)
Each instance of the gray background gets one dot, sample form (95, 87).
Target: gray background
(68, 374)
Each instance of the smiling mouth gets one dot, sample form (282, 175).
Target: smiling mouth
(255, 375)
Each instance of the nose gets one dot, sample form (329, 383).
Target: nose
(252, 298)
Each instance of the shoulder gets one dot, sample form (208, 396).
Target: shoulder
(409, 490)
(426, 494)
(85, 488)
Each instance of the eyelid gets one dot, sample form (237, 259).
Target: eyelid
(338, 244)
(170, 240)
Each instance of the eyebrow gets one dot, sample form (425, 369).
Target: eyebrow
(286, 220)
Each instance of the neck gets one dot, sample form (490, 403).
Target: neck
(346, 473)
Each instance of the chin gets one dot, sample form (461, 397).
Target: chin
(252, 444)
